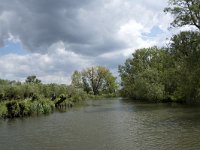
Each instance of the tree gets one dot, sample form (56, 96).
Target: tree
(142, 76)
(186, 12)
(76, 79)
(32, 79)
(98, 79)
(86, 86)
(185, 50)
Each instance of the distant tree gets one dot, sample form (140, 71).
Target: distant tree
(77, 79)
(4, 82)
(98, 79)
(32, 79)
(186, 12)
(86, 85)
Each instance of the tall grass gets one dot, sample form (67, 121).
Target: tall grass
(42, 106)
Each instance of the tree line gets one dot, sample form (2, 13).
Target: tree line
(171, 73)
(32, 97)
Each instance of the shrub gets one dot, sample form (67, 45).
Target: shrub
(42, 106)
(25, 108)
(13, 109)
(3, 110)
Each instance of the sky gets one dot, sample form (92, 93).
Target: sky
(52, 38)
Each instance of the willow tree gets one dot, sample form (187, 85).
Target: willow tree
(186, 12)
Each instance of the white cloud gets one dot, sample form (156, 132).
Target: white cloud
(72, 35)
(56, 66)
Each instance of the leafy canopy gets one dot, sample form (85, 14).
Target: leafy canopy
(186, 12)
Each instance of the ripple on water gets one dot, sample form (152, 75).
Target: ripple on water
(107, 124)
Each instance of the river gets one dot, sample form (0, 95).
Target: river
(111, 124)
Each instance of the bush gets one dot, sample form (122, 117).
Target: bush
(13, 109)
(42, 106)
(3, 110)
(78, 95)
(25, 108)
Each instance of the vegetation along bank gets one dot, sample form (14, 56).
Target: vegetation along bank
(19, 99)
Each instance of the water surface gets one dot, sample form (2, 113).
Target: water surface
(113, 124)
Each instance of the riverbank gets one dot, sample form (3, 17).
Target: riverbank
(41, 105)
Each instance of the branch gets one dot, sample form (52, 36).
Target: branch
(192, 16)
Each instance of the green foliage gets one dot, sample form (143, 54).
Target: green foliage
(2, 92)
(60, 100)
(77, 80)
(33, 79)
(185, 49)
(74, 95)
(42, 106)
(170, 74)
(53, 91)
(13, 109)
(4, 82)
(74, 92)
(78, 95)
(30, 98)
(96, 80)
(3, 110)
(25, 108)
(186, 12)
(142, 76)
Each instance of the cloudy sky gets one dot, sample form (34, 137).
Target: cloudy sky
(52, 38)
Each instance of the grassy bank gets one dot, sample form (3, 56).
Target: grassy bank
(41, 105)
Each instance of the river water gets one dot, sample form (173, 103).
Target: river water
(114, 124)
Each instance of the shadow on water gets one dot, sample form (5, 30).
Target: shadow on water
(168, 113)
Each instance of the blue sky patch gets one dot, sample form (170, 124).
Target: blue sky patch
(11, 47)
(154, 32)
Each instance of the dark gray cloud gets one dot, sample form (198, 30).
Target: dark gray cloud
(40, 23)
